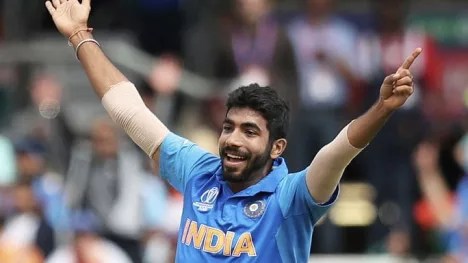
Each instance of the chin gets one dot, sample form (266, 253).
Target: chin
(234, 177)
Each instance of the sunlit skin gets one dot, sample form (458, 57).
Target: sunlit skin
(245, 148)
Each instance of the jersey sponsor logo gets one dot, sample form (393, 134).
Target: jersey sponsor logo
(213, 240)
(207, 200)
(255, 209)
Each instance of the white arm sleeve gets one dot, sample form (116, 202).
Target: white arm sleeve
(127, 109)
(328, 166)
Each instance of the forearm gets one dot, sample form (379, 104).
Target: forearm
(437, 195)
(100, 71)
(120, 97)
(362, 130)
(328, 166)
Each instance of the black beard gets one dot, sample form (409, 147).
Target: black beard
(254, 164)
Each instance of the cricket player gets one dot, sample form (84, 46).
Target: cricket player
(243, 206)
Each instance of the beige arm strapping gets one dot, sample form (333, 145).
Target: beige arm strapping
(328, 166)
(127, 109)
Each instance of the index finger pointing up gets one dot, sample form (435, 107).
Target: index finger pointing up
(409, 61)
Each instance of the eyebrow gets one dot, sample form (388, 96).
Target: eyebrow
(251, 125)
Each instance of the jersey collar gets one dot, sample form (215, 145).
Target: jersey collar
(268, 184)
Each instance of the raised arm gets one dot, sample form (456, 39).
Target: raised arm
(119, 96)
(433, 185)
(328, 166)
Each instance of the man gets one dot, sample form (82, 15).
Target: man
(26, 227)
(86, 246)
(324, 47)
(106, 179)
(450, 214)
(242, 206)
(379, 52)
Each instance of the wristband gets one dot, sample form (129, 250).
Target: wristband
(78, 31)
(82, 42)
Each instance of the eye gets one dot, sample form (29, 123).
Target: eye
(250, 132)
(227, 128)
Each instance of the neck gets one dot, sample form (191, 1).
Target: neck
(256, 177)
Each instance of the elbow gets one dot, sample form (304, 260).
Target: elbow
(127, 109)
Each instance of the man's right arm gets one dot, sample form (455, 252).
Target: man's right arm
(179, 159)
(120, 97)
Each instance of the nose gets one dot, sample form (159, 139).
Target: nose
(234, 140)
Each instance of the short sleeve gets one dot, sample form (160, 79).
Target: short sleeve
(180, 159)
(295, 199)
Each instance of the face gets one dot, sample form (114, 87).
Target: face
(252, 10)
(29, 164)
(319, 6)
(244, 146)
(104, 140)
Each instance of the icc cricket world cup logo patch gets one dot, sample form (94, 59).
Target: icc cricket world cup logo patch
(207, 200)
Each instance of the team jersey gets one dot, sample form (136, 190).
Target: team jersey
(271, 221)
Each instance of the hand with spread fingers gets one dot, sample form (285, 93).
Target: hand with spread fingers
(69, 15)
(398, 87)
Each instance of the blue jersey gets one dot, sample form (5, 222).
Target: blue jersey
(271, 221)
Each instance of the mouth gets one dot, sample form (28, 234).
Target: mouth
(232, 160)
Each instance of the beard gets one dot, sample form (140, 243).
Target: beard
(254, 163)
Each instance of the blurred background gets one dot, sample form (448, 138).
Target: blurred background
(74, 188)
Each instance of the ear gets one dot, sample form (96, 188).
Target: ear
(278, 148)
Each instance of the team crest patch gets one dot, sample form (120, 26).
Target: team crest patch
(255, 209)
(207, 199)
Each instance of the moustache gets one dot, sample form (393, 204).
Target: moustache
(234, 151)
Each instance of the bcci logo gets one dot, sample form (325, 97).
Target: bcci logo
(255, 209)
(207, 199)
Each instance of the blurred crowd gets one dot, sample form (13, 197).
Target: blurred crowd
(74, 188)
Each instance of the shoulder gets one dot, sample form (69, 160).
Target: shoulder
(172, 138)
(291, 180)
(185, 150)
(202, 177)
(174, 142)
(288, 189)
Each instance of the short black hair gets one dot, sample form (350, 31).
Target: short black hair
(265, 101)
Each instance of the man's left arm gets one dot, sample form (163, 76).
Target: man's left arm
(329, 164)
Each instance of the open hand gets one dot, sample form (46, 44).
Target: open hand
(165, 75)
(398, 87)
(69, 15)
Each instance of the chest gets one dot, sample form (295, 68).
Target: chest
(218, 222)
